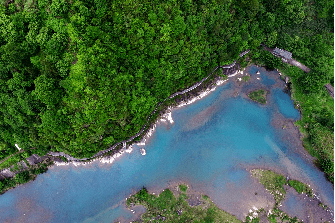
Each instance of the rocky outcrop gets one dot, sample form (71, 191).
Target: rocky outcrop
(286, 80)
(68, 157)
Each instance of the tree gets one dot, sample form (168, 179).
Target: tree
(270, 60)
(22, 177)
(47, 91)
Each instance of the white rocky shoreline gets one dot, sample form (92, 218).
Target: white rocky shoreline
(229, 70)
(166, 116)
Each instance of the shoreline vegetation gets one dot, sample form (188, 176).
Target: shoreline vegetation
(174, 203)
(170, 208)
(258, 96)
(315, 106)
(24, 176)
(79, 77)
(275, 184)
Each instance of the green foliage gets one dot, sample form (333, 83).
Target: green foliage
(258, 95)
(246, 78)
(317, 120)
(63, 158)
(183, 187)
(328, 167)
(10, 161)
(22, 177)
(271, 41)
(41, 169)
(301, 187)
(270, 60)
(6, 150)
(142, 195)
(176, 209)
(272, 218)
(273, 182)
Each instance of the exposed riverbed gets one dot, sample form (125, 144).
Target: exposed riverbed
(211, 145)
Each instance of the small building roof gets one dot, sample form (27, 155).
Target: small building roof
(283, 53)
(34, 159)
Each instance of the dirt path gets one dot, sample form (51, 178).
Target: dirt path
(291, 61)
(298, 64)
(330, 90)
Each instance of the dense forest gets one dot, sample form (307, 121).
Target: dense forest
(79, 76)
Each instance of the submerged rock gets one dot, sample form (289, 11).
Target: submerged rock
(143, 152)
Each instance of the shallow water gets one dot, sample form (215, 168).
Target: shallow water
(210, 146)
(304, 207)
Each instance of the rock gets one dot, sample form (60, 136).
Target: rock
(143, 152)
(238, 66)
(6, 173)
(286, 79)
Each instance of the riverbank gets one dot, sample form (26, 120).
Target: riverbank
(178, 99)
(311, 208)
(193, 204)
(184, 98)
(174, 205)
(316, 126)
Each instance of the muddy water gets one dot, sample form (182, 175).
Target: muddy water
(211, 145)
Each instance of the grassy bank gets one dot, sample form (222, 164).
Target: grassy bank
(246, 78)
(301, 188)
(273, 182)
(317, 120)
(258, 96)
(168, 208)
